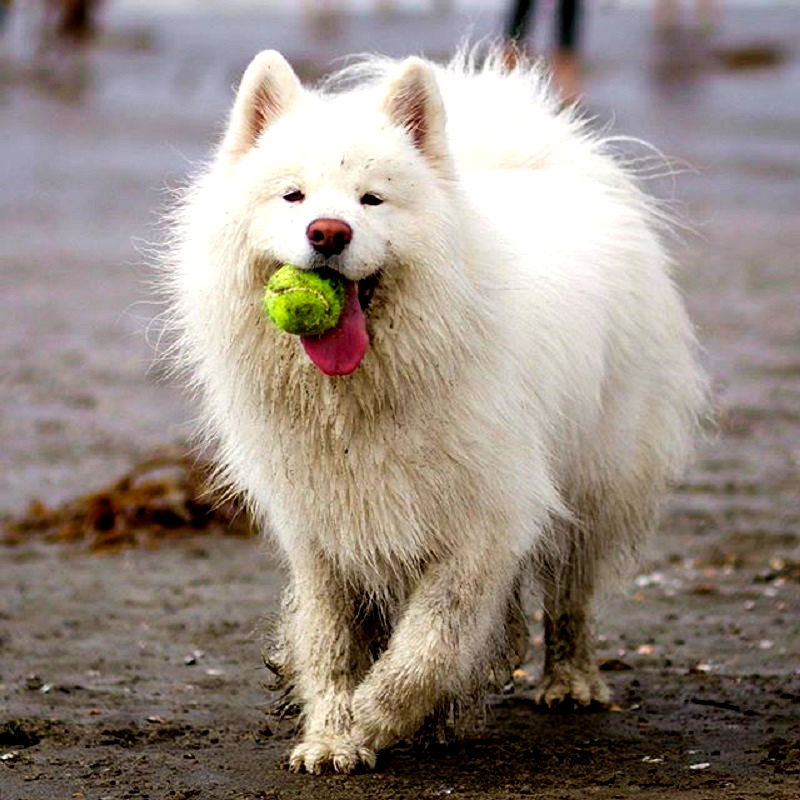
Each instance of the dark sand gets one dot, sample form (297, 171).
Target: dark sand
(98, 700)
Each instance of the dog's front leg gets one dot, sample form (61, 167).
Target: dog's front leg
(453, 625)
(329, 657)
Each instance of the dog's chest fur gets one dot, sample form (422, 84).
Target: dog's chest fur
(380, 492)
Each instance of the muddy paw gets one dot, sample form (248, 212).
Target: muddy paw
(569, 686)
(319, 754)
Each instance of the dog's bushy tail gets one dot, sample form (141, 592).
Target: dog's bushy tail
(499, 116)
(506, 117)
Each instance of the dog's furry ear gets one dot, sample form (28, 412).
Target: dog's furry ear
(412, 101)
(269, 88)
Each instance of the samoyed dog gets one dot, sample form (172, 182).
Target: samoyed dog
(510, 389)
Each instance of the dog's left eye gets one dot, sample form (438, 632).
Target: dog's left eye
(370, 199)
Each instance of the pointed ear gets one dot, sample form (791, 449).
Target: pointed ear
(412, 101)
(269, 88)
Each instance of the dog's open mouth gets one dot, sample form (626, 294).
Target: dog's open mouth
(340, 350)
(366, 289)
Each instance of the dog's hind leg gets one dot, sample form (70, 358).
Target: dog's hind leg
(517, 634)
(568, 579)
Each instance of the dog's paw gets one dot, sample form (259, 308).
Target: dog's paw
(567, 686)
(333, 753)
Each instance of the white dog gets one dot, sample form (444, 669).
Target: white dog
(511, 387)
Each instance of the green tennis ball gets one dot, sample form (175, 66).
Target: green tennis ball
(304, 302)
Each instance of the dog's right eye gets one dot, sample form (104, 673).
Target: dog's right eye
(294, 197)
(370, 199)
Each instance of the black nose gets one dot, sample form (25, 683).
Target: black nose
(329, 236)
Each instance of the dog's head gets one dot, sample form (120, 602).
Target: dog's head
(354, 181)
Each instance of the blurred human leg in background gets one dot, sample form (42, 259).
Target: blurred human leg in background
(667, 18)
(685, 45)
(707, 16)
(668, 21)
(522, 11)
(325, 17)
(76, 20)
(565, 62)
(518, 23)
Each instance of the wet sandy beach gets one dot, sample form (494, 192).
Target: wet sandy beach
(138, 675)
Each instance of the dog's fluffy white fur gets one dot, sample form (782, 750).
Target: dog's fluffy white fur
(530, 389)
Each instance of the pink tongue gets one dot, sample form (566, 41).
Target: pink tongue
(340, 350)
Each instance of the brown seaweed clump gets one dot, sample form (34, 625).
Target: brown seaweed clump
(165, 496)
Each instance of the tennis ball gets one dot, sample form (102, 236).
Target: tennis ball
(304, 302)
